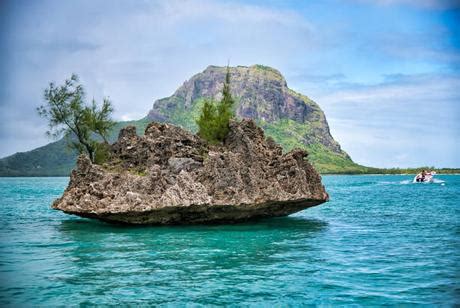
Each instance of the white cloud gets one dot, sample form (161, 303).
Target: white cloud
(404, 121)
(426, 4)
(134, 52)
(400, 89)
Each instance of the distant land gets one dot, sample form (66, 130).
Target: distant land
(293, 120)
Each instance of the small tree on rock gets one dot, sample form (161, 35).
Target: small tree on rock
(207, 121)
(213, 122)
(68, 115)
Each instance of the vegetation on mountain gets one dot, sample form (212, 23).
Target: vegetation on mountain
(260, 93)
(56, 158)
(293, 120)
(289, 134)
(69, 115)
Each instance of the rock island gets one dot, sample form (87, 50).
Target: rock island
(171, 176)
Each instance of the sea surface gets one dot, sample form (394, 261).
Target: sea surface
(380, 240)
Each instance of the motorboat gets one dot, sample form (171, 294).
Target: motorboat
(424, 177)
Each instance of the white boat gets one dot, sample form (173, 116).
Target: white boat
(428, 178)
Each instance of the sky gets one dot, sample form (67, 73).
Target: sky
(385, 72)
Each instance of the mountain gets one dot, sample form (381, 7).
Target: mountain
(261, 93)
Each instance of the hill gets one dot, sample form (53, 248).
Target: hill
(261, 93)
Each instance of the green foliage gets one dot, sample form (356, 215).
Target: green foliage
(185, 117)
(139, 172)
(68, 115)
(207, 122)
(99, 121)
(291, 134)
(213, 122)
(56, 158)
(101, 153)
(140, 125)
(225, 110)
(53, 159)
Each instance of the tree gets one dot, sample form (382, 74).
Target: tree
(213, 122)
(99, 120)
(68, 115)
(207, 121)
(225, 109)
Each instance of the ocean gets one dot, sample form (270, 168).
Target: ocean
(381, 240)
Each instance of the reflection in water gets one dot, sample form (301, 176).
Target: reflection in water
(263, 238)
(160, 257)
(291, 222)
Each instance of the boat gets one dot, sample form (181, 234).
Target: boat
(424, 177)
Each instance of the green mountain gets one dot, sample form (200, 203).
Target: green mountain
(261, 93)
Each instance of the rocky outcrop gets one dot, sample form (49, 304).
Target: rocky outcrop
(170, 176)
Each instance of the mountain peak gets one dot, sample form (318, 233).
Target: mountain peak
(254, 70)
(261, 94)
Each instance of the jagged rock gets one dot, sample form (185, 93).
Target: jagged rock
(170, 176)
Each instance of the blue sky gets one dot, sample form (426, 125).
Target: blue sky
(386, 72)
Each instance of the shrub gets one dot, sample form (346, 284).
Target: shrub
(213, 123)
(207, 122)
(101, 153)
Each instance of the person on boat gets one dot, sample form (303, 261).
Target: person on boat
(421, 176)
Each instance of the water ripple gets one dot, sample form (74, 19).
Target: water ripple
(379, 241)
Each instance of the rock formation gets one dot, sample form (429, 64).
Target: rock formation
(170, 176)
(261, 93)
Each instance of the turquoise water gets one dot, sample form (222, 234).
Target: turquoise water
(380, 240)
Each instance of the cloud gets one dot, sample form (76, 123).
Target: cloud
(425, 4)
(400, 88)
(138, 51)
(134, 52)
(406, 120)
(432, 45)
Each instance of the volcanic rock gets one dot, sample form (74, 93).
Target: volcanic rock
(170, 176)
